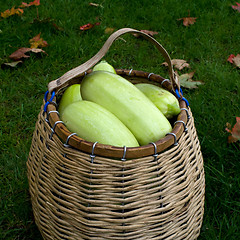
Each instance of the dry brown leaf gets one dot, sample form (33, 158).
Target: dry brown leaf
(20, 53)
(150, 33)
(235, 60)
(188, 20)
(178, 64)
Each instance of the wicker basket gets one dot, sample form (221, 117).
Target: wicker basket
(84, 190)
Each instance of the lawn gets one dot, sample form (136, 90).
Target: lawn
(205, 45)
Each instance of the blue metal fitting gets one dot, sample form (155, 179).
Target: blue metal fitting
(50, 100)
(45, 95)
(183, 98)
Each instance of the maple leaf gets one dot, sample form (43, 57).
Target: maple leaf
(187, 82)
(235, 131)
(188, 20)
(178, 64)
(234, 60)
(237, 7)
(12, 11)
(37, 41)
(88, 26)
(20, 53)
(34, 3)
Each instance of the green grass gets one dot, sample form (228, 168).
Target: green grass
(205, 45)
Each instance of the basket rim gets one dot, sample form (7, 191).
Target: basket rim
(104, 150)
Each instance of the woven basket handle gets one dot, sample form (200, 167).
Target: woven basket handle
(62, 82)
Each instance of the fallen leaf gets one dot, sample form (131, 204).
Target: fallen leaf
(150, 33)
(235, 60)
(235, 131)
(230, 58)
(20, 53)
(11, 64)
(178, 64)
(188, 20)
(12, 11)
(23, 5)
(109, 30)
(37, 41)
(237, 7)
(34, 3)
(88, 26)
(187, 82)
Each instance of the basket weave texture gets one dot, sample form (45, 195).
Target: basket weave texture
(86, 191)
(76, 195)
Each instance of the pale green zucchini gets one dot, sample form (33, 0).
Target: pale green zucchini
(165, 101)
(104, 66)
(71, 94)
(94, 123)
(128, 103)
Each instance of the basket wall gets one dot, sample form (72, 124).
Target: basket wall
(78, 197)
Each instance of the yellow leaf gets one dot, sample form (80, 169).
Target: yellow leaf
(9, 12)
(37, 41)
(109, 30)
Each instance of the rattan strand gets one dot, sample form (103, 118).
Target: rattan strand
(145, 198)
